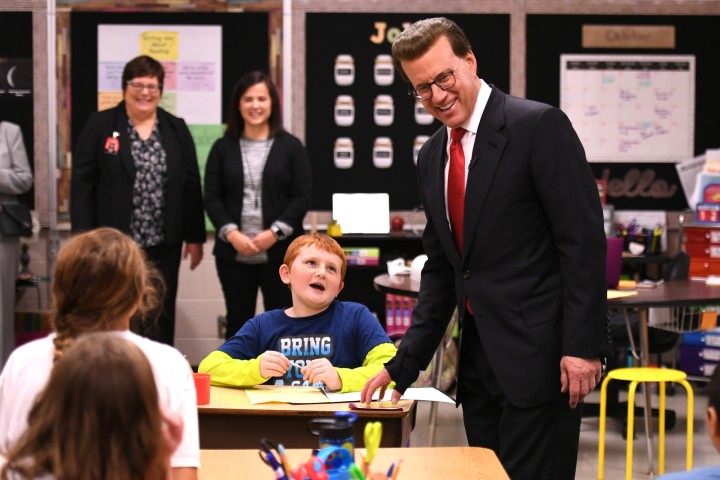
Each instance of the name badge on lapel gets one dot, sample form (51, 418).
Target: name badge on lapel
(112, 144)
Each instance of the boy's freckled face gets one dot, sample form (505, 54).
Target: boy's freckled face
(314, 279)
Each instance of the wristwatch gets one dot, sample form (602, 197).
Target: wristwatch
(277, 231)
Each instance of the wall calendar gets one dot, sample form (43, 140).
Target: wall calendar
(630, 108)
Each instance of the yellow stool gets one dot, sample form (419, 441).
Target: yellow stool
(635, 376)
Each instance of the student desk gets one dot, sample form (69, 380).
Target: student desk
(418, 463)
(229, 421)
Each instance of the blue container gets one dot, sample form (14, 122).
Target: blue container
(338, 462)
(336, 431)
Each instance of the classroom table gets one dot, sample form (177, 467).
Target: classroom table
(673, 293)
(397, 285)
(229, 421)
(417, 463)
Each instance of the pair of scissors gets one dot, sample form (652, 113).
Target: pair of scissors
(373, 435)
(270, 454)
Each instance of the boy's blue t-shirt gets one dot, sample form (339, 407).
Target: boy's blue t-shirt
(344, 334)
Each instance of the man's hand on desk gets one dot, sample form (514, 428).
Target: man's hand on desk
(381, 380)
(578, 376)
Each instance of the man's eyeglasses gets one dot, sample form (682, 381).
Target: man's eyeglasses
(139, 87)
(444, 81)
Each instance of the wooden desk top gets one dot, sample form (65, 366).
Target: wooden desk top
(234, 401)
(418, 463)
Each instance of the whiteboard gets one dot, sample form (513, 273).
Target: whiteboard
(630, 108)
(190, 54)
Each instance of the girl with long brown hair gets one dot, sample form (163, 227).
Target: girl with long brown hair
(101, 283)
(97, 419)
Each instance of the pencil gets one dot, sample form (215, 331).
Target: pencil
(284, 460)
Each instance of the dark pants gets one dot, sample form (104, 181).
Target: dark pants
(240, 283)
(535, 443)
(166, 259)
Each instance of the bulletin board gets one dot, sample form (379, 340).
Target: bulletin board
(362, 128)
(191, 56)
(658, 186)
(245, 47)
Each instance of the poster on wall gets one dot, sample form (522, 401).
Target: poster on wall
(190, 55)
(630, 108)
(16, 77)
(363, 129)
(16, 106)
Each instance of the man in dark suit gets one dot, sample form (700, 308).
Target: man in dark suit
(524, 261)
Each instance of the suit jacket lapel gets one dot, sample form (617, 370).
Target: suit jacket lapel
(487, 153)
(437, 209)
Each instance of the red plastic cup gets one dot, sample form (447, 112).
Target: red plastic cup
(202, 387)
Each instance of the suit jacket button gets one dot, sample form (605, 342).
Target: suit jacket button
(466, 274)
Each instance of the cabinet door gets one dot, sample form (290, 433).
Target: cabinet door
(697, 250)
(704, 266)
(703, 235)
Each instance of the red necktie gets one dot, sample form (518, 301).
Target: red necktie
(456, 186)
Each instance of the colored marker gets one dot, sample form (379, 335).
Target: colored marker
(284, 460)
(397, 470)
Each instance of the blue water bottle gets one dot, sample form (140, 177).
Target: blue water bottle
(336, 431)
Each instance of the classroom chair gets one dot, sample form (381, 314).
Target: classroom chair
(644, 375)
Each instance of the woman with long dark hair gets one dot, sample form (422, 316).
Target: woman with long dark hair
(101, 282)
(257, 192)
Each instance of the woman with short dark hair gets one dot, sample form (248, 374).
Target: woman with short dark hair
(135, 169)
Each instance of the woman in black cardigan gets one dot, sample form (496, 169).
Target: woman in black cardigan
(257, 192)
(135, 169)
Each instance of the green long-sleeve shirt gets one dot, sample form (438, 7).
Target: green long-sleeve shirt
(230, 372)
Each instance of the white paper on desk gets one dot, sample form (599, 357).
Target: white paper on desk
(427, 394)
(397, 267)
(620, 293)
(285, 394)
